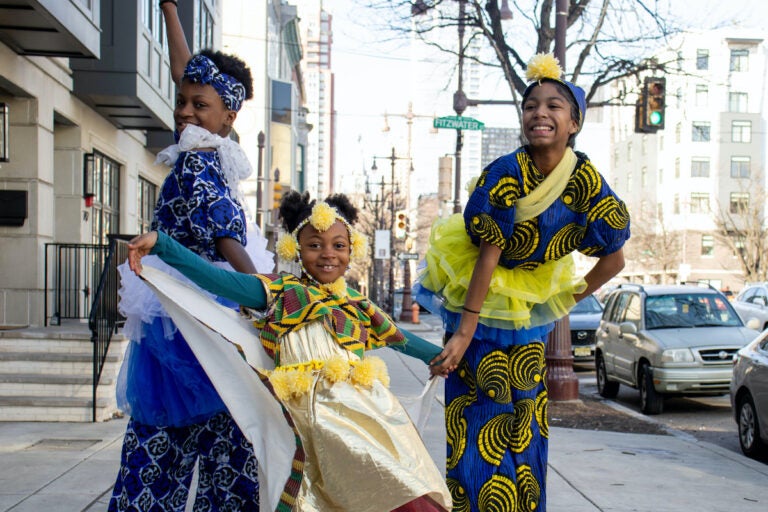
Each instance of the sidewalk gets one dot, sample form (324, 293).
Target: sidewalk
(70, 467)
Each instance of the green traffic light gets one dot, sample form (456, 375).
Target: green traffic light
(655, 118)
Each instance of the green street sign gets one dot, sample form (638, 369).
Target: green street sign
(458, 123)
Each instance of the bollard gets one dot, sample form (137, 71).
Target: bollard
(562, 382)
(415, 313)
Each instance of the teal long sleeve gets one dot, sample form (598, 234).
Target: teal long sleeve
(244, 289)
(248, 290)
(417, 347)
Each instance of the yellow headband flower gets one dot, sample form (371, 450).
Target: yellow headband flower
(323, 216)
(541, 66)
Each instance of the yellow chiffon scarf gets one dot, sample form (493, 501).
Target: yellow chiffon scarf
(548, 190)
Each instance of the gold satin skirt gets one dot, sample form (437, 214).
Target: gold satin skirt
(363, 453)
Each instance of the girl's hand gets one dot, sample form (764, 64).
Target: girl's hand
(448, 360)
(139, 247)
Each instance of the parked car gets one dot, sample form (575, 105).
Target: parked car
(666, 340)
(749, 396)
(584, 319)
(752, 303)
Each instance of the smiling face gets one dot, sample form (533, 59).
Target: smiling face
(201, 105)
(325, 255)
(548, 119)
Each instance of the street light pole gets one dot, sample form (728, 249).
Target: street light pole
(562, 383)
(459, 106)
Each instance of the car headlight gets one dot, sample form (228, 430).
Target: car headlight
(677, 355)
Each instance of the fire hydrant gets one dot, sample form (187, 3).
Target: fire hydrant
(415, 313)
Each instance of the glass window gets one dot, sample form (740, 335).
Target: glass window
(737, 102)
(741, 131)
(702, 95)
(633, 310)
(204, 27)
(678, 132)
(739, 60)
(676, 204)
(146, 204)
(644, 176)
(739, 202)
(702, 58)
(740, 166)
(699, 202)
(281, 102)
(677, 167)
(707, 245)
(699, 167)
(700, 132)
(106, 202)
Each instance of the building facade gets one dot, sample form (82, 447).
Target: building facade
(86, 91)
(706, 163)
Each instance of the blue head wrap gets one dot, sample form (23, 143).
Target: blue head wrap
(201, 70)
(577, 92)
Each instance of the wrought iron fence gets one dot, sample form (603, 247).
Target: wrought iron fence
(105, 318)
(72, 272)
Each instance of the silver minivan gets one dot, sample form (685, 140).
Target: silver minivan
(666, 340)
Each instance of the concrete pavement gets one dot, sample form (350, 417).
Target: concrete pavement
(71, 467)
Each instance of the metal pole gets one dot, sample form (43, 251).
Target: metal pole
(259, 179)
(562, 383)
(392, 236)
(459, 105)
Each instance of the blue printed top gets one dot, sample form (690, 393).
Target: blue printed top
(196, 206)
(587, 217)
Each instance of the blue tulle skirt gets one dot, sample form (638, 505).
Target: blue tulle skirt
(161, 382)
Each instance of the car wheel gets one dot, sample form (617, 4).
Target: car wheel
(749, 430)
(651, 402)
(606, 388)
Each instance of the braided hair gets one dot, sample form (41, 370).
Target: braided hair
(296, 206)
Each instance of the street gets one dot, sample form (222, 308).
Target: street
(707, 418)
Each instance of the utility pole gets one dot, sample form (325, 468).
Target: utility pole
(562, 383)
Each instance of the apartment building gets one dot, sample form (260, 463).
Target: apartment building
(707, 161)
(87, 99)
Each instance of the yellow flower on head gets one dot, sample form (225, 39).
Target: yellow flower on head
(336, 369)
(287, 247)
(359, 244)
(323, 216)
(543, 65)
(337, 288)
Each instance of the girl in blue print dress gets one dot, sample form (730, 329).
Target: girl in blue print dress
(177, 417)
(501, 274)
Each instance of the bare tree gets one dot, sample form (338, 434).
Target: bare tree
(653, 247)
(741, 226)
(606, 40)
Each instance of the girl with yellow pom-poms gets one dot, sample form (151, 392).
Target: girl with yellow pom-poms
(356, 448)
(503, 274)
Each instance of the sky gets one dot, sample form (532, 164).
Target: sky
(376, 75)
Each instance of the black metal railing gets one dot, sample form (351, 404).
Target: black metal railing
(72, 272)
(104, 318)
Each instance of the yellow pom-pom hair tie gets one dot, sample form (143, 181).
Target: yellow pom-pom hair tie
(323, 216)
(544, 66)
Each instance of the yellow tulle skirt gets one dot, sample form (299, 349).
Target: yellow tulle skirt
(517, 298)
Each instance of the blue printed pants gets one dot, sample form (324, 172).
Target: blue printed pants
(157, 464)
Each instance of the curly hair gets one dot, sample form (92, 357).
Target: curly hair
(296, 206)
(232, 66)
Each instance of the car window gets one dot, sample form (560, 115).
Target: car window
(747, 294)
(632, 313)
(689, 310)
(618, 306)
(587, 305)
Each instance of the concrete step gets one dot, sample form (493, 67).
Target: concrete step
(37, 385)
(24, 408)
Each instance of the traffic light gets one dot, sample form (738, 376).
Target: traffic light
(277, 194)
(401, 224)
(655, 89)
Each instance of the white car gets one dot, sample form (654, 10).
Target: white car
(749, 396)
(752, 304)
